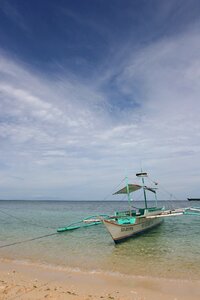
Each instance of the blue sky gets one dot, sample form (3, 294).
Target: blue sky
(91, 90)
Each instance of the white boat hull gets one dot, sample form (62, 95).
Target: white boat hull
(122, 232)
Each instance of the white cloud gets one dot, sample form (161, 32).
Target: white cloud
(57, 132)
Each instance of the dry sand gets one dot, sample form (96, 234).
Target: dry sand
(29, 281)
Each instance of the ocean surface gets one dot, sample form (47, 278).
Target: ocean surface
(171, 250)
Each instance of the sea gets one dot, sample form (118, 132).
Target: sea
(171, 250)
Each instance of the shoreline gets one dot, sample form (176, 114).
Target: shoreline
(25, 280)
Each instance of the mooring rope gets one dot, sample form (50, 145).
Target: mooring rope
(28, 240)
(25, 221)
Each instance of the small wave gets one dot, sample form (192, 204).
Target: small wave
(98, 272)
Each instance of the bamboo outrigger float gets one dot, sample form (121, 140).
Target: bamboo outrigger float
(89, 221)
(132, 222)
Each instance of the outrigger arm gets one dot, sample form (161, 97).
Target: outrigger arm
(178, 212)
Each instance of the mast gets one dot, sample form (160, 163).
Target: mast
(145, 196)
(142, 175)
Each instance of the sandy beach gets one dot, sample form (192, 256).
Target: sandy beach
(20, 280)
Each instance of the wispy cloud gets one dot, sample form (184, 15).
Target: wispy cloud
(64, 131)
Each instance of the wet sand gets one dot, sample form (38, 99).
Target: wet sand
(29, 281)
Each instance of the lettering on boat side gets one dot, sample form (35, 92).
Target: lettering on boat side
(126, 228)
(143, 225)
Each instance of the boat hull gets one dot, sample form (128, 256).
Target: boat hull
(120, 233)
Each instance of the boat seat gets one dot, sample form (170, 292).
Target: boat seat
(124, 221)
(141, 211)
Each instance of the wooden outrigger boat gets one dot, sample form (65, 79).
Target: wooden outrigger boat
(126, 224)
(132, 222)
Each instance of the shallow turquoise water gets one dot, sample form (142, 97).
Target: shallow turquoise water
(171, 250)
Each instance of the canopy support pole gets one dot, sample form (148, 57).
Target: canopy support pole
(128, 194)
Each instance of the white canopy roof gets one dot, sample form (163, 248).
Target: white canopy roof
(132, 188)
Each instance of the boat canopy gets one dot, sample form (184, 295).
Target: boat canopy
(132, 188)
(128, 189)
